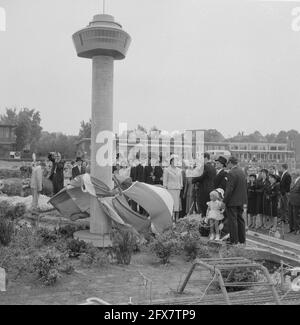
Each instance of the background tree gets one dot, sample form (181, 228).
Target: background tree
(213, 135)
(154, 129)
(282, 137)
(59, 142)
(28, 128)
(255, 137)
(85, 129)
(10, 116)
(142, 129)
(271, 138)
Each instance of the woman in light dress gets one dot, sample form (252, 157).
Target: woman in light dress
(172, 181)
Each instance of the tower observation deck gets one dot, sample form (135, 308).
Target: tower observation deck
(103, 36)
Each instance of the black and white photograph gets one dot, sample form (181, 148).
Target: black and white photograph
(149, 155)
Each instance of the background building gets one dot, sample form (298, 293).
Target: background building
(275, 153)
(7, 140)
(263, 154)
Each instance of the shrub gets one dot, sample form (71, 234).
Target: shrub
(46, 267)
(19, 211)
(101, 259)
(67, 231)
(61, 245)
(163, 249)
(25, 171)
(12, 212)
(190, 247)
(15, 261)
(94, 257)
(4, 208)
(124, 243)
(6, 231)
(188, 226)
(64, 265)
(9, 173)
(13, 187)
(203, 251)
(26, 238)
(47, 236)
(76, 247)
(68, 268)
(175, 237)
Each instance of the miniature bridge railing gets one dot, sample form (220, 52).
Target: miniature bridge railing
(217, 265)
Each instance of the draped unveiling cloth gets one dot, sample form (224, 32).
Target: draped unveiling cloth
(74, 200)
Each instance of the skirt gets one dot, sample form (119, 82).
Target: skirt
(176, 197)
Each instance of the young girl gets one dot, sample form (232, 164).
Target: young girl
(215, 213)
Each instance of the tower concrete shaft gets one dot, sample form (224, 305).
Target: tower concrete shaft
(103, 41)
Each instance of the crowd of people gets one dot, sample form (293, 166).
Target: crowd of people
(274, 199)
(51, 176)
(226, 196)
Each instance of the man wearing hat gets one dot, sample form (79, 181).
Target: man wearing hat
(220, 182)
(77, 168)
(205, 184)
(235, 199)
(221, 178)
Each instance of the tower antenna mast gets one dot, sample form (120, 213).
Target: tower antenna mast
(103, 5)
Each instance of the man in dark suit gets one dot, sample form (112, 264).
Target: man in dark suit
(205, 184)
(235, 199)
(294, 207)
(285, 185)
(158, 173)
(221, 178)
(221, 182)
(137, 174)
(77, 168)
(57, 172)
(149, 173)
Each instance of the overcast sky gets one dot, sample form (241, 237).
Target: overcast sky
(229, 65)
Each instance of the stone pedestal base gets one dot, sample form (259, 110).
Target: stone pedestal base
(94, 239)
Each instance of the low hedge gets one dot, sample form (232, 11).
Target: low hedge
(12, 187)
(10, 173)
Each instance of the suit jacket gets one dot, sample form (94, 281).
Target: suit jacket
(285, 183)
(149, 172)
(137, 173)
(206, 180)
(76, 172)
(158, 173)
(295, 194)
(221, 179)
(57, 171)
(236, 189)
